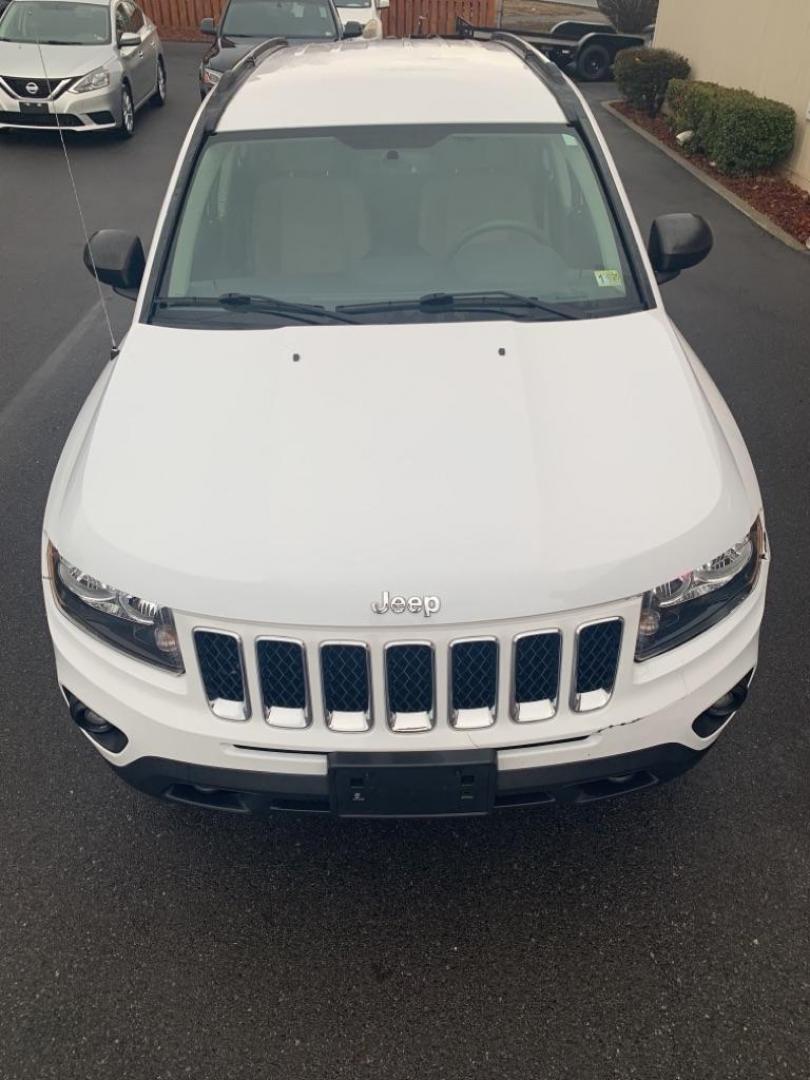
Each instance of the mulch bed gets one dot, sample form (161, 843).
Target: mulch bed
(787, 205)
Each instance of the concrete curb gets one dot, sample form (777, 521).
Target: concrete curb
(718, 188)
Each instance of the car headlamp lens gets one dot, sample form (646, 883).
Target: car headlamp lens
(690, 603)
(136, 626)
(96, 80)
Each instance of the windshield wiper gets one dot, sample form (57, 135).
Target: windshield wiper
(495, 302)
(267, 305)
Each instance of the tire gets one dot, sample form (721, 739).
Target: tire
(593, 63)
(126, 129)
(158, 99)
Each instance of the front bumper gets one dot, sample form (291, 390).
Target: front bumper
(468, 784)
(98, 110)
(175, 745)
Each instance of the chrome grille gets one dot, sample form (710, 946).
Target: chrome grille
(219, 655)
(536, 676)
(403, 686)
(598, 646)
(283, 679)
(43, 87)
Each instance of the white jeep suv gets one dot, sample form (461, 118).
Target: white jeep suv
(404, 495)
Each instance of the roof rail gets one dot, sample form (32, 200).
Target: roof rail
(546, 70)
(232, 79)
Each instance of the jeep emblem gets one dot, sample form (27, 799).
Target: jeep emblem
(413, 605)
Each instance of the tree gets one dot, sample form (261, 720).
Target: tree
(629, 16)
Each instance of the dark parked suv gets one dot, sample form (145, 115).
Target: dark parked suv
(246, 23)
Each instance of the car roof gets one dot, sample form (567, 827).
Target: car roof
(394, 81)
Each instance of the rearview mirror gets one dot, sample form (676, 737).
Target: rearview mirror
(208, 26)
(352, 30)
(678, 241)
(383, 4)
(129, 41)
(118, 259)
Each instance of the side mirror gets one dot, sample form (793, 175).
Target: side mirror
(118, 258)
(352, 29)
(209, 27)
(129, 41)
(678, 241)
(383, 4)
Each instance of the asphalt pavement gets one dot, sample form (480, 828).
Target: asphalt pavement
(664, 936)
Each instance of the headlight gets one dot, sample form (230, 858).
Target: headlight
(130, 623)
(692, 602)
(96, 80)
(210, 77)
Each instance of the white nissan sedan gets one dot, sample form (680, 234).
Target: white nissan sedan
(78, 65)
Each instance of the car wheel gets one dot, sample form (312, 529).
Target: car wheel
(158, 99)
(593, 63)
(126, 129)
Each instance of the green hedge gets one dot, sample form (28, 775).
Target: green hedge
(741, 133)
(643, 75)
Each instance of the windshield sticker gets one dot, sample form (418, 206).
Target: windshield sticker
(608, 279)
(570, 140)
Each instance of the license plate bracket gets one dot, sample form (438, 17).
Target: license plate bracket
(412, 784)
(34, 108)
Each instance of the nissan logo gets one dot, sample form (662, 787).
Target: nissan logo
(32, 88)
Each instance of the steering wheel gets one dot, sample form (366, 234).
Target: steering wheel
(503, 225)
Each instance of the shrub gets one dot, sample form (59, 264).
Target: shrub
(643, 76)
(630, 16)
(740, 132)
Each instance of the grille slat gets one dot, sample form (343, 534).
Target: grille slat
(346, 689)
(598, 646)
(537, 676)
(409, 686)
(282, 674)
(473, 683)
(220, 658)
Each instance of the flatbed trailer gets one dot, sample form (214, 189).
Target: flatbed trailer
(586, 50)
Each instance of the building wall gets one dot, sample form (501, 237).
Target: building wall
(761, 45)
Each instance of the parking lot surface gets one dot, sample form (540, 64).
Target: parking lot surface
(665, 935)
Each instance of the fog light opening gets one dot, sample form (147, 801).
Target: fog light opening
(718, 714)
(101, 731)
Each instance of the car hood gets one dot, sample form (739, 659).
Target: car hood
(292, 475)
(23, 61)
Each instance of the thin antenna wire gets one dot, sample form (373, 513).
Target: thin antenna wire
(101, 297)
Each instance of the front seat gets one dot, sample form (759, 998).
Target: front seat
(308, 224)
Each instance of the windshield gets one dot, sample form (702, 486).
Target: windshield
(57, 23)
(279, 18)
(367, 216)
